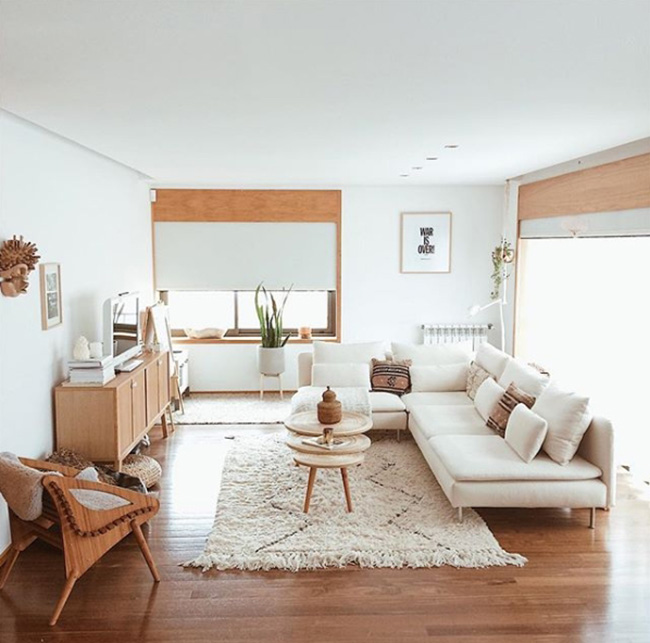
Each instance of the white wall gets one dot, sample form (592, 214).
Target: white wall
(378, 302)
(91, 215)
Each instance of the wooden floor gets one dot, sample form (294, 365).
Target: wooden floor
(579, 585)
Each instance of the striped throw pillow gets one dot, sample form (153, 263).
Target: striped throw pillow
(391, 376)
(500, 414)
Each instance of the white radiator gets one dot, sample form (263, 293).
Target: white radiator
(454, 333)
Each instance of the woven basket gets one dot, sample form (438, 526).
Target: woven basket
(143, 467)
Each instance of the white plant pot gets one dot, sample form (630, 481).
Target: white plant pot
(270, 360)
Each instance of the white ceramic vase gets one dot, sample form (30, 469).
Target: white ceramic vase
(270, 360)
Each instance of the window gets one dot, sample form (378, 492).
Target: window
(234, 310)
(583, 313)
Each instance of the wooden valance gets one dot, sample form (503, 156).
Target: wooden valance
(621, 185)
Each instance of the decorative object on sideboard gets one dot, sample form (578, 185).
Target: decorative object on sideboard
(81, 349)
(204, 333)
(17, 259)
(51, 303)
(329, 410)
(502, 256)
(269, 314)
(96, 350)
(425, 242)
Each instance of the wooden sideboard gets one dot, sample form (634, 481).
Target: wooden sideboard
(104, 423)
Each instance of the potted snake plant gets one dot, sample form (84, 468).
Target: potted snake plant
(270, 355)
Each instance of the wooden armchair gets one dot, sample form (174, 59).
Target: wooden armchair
(84, 534)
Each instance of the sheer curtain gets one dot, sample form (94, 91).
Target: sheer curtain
(583, 312)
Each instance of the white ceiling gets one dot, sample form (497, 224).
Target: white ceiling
(330, 92)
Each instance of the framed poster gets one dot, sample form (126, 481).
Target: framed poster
(51, 310)
(426, 242)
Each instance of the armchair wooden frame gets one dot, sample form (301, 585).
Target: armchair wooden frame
(83, 534)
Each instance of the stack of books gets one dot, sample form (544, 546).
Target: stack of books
(91, 372)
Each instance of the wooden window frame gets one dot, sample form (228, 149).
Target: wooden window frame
(329, 332)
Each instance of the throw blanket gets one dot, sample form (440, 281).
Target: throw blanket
(352, 398)
(22, 488)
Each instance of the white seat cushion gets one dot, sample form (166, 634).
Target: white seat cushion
(488, 457)
(449, 420)
(385, 402)
(439, 398)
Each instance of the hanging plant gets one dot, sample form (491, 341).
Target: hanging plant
(502, 256)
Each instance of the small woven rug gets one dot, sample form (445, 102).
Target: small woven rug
(225, 408)
(401, 517)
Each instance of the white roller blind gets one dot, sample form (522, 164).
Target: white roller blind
(238, 256)
(625, 223)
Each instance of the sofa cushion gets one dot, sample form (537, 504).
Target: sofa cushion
(491, 359)
(500, 414)
(391, 376)
(525, 377)
(487, 397)
(341, 375)
(476, 375)
(448, 420)
(333, 353)
(433, 354)
(413, 400)
(525, 432)
(568, 418)
(486, 458)
(385, 402)
(443, 378)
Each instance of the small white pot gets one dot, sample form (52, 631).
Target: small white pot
(270, 360)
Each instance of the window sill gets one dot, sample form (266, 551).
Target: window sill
(246, 340)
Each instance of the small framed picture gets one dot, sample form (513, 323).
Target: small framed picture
(51, 309)
(425, 242)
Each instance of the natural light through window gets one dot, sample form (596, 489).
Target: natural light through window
(234, 311)
(583, 312)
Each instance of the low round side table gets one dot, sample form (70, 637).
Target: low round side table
(352, 426)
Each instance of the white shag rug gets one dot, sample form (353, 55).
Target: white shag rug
(224, 408)
(401, 517)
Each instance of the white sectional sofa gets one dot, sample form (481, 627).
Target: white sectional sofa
(474, 466)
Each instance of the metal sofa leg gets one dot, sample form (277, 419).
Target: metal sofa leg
(460, 514)
(592, 518)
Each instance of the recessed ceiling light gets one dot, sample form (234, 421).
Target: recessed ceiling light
(403, 175)
(432, 158)
(416, 167)
(453, 146)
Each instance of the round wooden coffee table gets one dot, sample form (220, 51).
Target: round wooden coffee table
(307, 424)
(351, 428)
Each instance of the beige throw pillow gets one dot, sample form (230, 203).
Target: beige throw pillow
(475, 377)
(568, 418)
(500, 414)
(525, 432)
(487, 397)
(443, 378)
